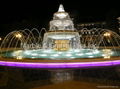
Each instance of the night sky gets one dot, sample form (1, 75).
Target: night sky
(19, 15)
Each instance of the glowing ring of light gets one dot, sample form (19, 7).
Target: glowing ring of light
(60, 65)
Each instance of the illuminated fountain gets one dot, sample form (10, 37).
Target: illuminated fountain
(61, 42)
(61, 47)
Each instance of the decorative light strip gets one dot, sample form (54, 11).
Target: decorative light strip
(60, 65)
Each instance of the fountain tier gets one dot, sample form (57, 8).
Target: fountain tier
(62, 35)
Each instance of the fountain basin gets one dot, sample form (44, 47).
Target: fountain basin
(76, 62)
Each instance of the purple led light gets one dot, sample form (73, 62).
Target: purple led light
(60, 65)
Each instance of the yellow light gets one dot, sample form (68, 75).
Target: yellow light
(107, 57)
(0, 38)
(107, 53)
(19, 57)
(107, 34)
(18, 35)
(61, 45)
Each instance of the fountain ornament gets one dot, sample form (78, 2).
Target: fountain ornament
(61, 47)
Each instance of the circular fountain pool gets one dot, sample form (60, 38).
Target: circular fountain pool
(84, 58)
(61, 55)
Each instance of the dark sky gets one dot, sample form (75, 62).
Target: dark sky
(26, 14)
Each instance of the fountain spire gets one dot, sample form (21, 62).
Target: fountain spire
(61, 8)
(61, 20)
